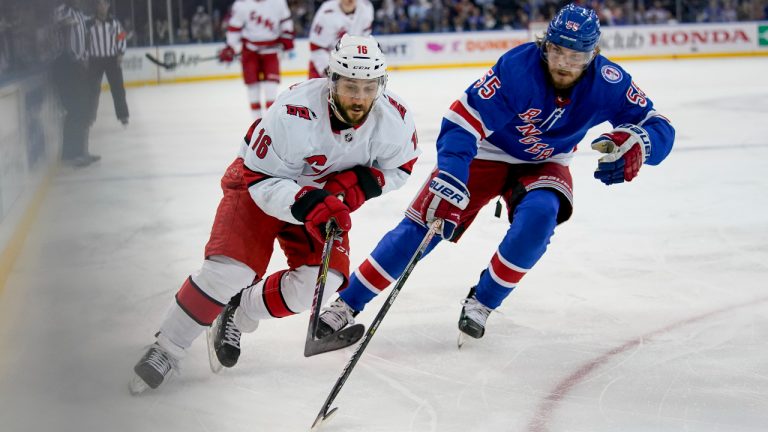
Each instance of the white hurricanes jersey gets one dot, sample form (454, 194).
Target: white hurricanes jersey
(331, 23)
(294, 146)
(259, 25)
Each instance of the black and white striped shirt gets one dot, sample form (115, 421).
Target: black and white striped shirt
(106, 38)
(73, 24)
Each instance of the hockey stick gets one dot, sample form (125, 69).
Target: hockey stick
(156, 61)
(338, 340)
(184, 61)
(324, 414)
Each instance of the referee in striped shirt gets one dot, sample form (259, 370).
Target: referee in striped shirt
(106, 46)
(70, 71)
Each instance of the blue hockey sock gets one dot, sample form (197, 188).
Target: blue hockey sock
(533, 224)
(385, 264)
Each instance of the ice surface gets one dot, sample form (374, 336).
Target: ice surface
(649, 312)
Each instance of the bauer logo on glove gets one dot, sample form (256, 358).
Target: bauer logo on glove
(443, 188)
(448, 196)
(627, 147)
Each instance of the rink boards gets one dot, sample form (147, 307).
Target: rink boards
(468, 49)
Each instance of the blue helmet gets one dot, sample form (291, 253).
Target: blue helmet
(574, 27)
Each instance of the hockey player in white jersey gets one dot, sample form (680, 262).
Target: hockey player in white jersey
(333, 19)
(259, 30)
(344, 136)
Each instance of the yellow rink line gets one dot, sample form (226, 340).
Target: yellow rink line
(13, 248)
(292, 73)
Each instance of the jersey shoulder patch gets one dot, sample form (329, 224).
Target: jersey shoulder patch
(394, 102)
(611, 73)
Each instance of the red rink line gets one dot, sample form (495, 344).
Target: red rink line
(550, 403)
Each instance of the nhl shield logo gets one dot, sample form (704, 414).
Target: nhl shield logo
(611, 74)
(348, 137)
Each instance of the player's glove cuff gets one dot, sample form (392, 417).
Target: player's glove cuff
(306, 200)
(371, 181)
(627, 147)
(619, 141)
(450, 189)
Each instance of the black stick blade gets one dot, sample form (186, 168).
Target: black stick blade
(342, 339)
(169, 66)
(322, 418)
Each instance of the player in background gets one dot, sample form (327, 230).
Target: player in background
(345, 136)
(512, 134)
(259, 30)
(332, 20)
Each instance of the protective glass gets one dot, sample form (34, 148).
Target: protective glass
(565, 58)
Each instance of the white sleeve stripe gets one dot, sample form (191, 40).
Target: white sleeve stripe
(474, 113)
(459, 121)
(651, 114)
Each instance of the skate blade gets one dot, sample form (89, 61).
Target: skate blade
(461, 339)
(213, 360)
(137, 386)
(323, 419)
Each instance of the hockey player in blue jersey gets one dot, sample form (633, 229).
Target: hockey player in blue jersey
(512, 134)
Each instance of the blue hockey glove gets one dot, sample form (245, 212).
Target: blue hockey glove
(627, 147)
(448, 197)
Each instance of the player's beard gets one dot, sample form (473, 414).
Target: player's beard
(564, 78)
(346, 113)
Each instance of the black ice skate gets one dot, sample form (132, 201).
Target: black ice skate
(152, 369)
(334, 318)
(473, 317)
(224, 338)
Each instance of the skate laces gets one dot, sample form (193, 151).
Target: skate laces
(337, 315)
(161, 360)
(475, 310)
(231, 332)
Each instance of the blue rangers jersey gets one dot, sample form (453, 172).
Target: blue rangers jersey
(514, 114)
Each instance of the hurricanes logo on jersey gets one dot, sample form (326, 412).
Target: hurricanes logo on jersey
(315, 162)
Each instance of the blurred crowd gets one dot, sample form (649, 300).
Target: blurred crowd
(27, 36)
(422, 16)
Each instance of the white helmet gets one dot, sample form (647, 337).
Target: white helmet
(357, 57)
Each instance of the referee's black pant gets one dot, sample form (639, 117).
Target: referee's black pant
(70, 78)
(97, 67)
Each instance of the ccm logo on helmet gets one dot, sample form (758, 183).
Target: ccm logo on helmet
(441, 188)
(361, 67)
